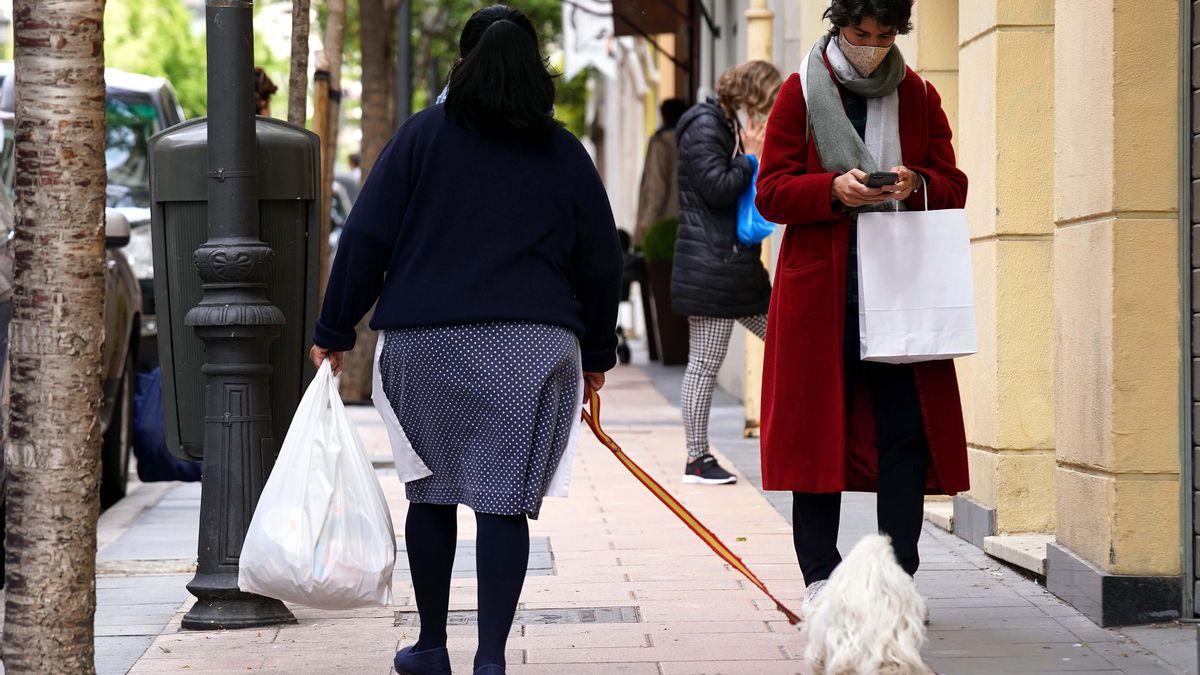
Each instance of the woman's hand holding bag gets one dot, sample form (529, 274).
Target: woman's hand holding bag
(752, 228)
(322, 533)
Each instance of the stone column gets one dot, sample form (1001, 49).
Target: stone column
(1006, 96)
(1116, 298)
(760, 46)
(931, 49)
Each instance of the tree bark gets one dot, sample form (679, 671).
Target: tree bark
(298, 82)
(377, 18)
(331, 62)
(53, 450)
(379, 83)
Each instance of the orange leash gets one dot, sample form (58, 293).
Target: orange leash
(591, 416)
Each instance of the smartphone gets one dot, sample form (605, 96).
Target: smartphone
(882, 178)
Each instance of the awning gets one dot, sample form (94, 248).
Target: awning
(650, 17)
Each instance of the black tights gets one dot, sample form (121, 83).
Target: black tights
(502, 556)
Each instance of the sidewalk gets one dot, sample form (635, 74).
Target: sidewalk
(616, 584)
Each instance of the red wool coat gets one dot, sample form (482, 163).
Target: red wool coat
(808, 444)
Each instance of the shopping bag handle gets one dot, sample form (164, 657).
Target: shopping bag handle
(591, 416)
(924, 191)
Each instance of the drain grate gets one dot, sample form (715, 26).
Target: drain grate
(525, 617)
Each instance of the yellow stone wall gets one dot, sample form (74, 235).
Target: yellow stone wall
(1116, 290)
(1005, 84)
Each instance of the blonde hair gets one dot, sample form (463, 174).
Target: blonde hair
(751, 86)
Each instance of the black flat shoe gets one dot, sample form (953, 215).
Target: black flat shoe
(425, 662)
(490, 669)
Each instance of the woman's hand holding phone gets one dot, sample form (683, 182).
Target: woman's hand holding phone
(851, 190)
(906, 183)
(754, 135)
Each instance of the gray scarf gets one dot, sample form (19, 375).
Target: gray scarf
(838, 144)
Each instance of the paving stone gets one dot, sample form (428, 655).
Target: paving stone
(114, 655)
(585, 669)
(730, 651)
(129, 630)
(1088, 663)
(1131, 658)
(739, 668)
(650, 628)
(1086, 631)
(215, 663)
(1011, 636)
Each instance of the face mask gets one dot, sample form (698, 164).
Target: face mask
(865, 59)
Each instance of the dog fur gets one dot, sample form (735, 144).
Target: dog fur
(869, 619)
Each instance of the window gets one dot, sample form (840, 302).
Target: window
(130, 120)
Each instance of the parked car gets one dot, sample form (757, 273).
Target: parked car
(136, 108)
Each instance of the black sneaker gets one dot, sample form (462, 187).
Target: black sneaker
(706, 471)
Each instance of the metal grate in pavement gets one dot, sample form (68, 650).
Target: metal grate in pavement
(572, 615)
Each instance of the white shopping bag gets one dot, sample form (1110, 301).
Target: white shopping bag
(322, 533)
(915, 287)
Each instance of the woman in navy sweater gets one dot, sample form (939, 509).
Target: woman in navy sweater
(487, 238)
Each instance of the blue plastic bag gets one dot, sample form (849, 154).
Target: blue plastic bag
(752, 227)
(154, 461)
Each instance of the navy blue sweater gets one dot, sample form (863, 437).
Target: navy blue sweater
(454, 227)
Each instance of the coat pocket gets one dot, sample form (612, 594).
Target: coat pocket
(806, 265)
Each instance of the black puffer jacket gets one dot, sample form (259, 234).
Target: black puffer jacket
(714, 274)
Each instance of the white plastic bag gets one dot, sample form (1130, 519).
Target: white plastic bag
(916, 288)
(322, 533)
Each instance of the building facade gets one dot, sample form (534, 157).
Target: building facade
(1074, 120)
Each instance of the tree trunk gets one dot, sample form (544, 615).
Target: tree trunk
(330, 61)
(298, 82)
(53, 450)
(379, 82)
(377, 19)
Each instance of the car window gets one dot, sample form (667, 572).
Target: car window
(130, 122)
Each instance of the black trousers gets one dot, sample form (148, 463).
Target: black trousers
(903, 463)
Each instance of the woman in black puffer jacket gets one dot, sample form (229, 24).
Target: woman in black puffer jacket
(716, 280)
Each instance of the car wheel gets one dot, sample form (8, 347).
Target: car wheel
(114, 458)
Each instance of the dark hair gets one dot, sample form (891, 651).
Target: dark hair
(672, 109)
(501, 82)
(264, 89)
(890, 13)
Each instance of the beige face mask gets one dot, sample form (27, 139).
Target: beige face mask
(865, 59)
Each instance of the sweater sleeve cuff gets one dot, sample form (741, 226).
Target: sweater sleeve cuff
(333, 340)
(599, 361)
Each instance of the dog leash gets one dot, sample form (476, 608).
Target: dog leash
(591, 415)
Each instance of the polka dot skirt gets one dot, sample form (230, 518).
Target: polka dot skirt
(488, 408)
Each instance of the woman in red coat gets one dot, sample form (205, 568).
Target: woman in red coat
(832, 422)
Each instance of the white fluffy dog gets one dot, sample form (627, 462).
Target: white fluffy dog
(868, 619)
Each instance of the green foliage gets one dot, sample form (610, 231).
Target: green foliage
(571, 103)
(154, 37)
(660, 240)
